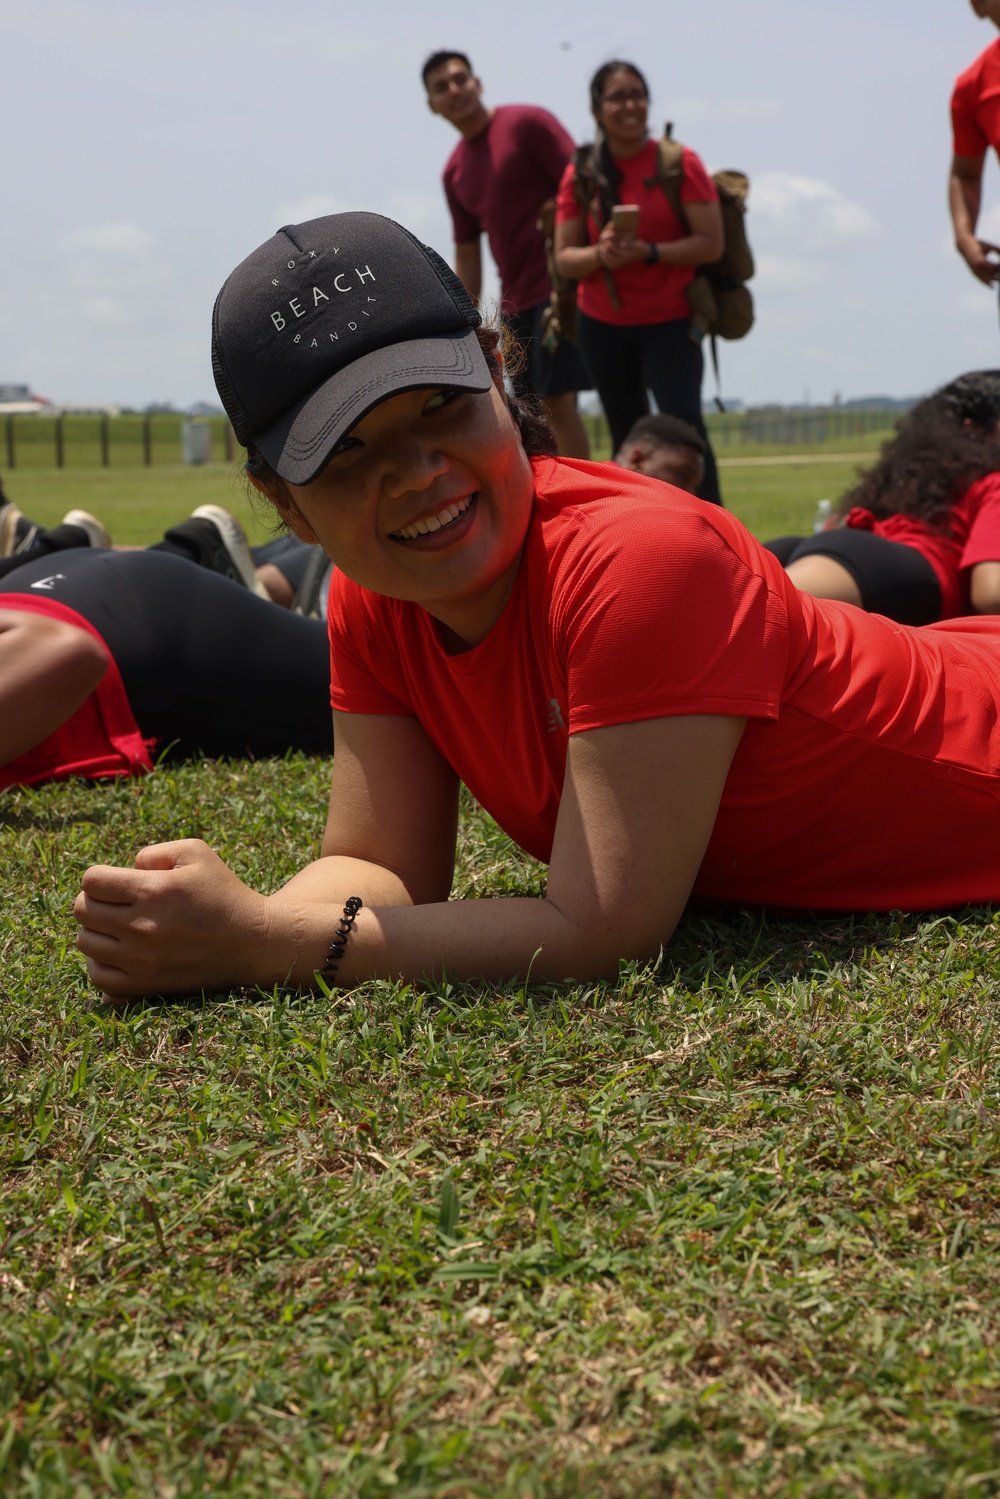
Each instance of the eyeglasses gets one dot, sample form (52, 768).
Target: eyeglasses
(629, 96)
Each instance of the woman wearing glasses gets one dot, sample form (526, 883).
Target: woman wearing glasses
(633, 318)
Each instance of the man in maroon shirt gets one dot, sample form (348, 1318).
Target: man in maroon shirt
(975, 118)
(507, 164)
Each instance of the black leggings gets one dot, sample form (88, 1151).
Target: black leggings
(893, 579)
(661, 357)
(207, 666)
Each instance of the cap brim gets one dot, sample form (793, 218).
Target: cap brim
(299, 444)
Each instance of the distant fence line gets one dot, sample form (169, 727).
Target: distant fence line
(108, 441)
(76, 441)
(783, 425)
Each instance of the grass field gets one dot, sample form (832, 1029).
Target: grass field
(138, 503)
(726, 1227)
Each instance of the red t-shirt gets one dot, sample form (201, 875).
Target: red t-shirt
(975, 105)
(972, 535)
(869, 772)
(647, 293)
(101, 739)
(497, 182)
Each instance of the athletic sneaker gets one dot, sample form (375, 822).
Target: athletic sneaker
(17, 532)
(311, 594)
(96, 533)
(215, 539)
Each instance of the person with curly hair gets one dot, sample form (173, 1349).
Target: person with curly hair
(918, 537)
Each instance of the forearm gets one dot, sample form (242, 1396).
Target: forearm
(578, 261)
(329, 881)
(469, 269)
(693, 249)
(964, 200)
(493, 939)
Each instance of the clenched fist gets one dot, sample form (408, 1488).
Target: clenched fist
(177, 923)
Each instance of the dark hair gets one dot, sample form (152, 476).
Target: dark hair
(667, 431)
(536, 435)
(606, 174)
(438, 60)
(940, 447)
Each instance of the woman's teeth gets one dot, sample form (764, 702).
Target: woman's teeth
(435, 522)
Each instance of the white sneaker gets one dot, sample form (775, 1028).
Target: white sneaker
(234, 541)
(97, 533)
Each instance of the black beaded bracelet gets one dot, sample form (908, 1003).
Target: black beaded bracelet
(337, 946)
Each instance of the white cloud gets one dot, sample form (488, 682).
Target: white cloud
(806, 216)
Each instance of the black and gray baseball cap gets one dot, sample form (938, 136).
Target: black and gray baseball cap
(327, 319)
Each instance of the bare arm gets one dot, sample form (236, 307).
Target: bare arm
(47, 670)
(638, 808)
(984, 588)
(577, 259)
(469, 267)
(964, 200)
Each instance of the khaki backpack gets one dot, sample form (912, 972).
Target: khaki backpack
(720, 301)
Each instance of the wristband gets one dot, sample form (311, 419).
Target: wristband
(339, 942)
(653, 255)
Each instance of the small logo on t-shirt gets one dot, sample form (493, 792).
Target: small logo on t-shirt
(48, 583)
(556, 720)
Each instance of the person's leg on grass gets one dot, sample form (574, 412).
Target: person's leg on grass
(48, 668)
(612, 356)
(858, 567)
(206, 666)
(281, 566)
(673, 367)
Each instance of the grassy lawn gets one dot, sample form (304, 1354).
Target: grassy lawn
(729, 1228)
(137, 504)
(726, 1227)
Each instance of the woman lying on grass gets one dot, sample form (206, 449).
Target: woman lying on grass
(918, 538)
(625, 679)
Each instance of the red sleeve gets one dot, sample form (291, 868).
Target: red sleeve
(967, 137)
(983, 544)
(669, 574)
(697, 186)
(548, 143)
(567, 204)
(351, 621)
(465, 226)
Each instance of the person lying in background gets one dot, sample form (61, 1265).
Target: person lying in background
(109, 658)
(625, 679)
(665, 447)
(918, 538)
(281, 570)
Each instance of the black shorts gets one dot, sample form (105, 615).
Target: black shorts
(545, 374)
(206, 665)
(893, 579)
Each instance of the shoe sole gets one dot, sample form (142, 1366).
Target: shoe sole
(234, 540)
(97, 534)
(10, 542)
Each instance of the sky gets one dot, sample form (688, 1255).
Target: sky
(149, 145)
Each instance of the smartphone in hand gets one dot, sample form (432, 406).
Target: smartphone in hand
(625, 218)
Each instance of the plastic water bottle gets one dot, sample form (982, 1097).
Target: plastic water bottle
(824, 511)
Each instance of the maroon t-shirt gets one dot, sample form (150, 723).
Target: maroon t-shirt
(496, 183)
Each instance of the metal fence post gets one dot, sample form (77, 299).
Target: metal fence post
(105, 443)
(60, 454)
(230, 439)
(147, 440)
(11, 455)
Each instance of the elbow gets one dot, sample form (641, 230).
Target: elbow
(588, 953)
(712, 247)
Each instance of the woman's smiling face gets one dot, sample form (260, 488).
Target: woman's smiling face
(428, 499)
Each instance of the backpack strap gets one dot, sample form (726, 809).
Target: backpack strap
(585, 187)
(669, 175)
